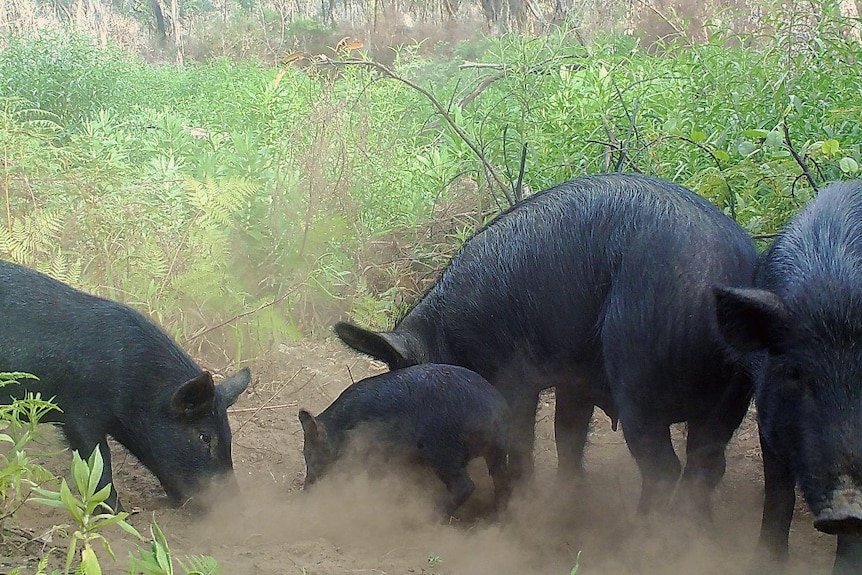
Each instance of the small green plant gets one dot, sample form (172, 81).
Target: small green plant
(577, 565)
(157, 559)
(18, 423)
(91, 516)
(88, 510)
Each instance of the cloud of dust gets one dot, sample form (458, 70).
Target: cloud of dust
(353, 522)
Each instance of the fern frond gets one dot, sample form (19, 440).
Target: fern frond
(32, 236)
(219, 200)
(201, 564)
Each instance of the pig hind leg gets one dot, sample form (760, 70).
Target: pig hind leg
(706, 444)
(650, 444)
(449, 461)
(522, 427)
(498, 468)
(571, 427)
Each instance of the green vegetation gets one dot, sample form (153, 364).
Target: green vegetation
(301, 194)
(19, 422)
(21, 476)
(91, 516)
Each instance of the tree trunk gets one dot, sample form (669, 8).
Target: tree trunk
(178, 36)
(160, 21)
(850, 10)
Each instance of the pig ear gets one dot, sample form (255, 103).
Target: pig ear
(230, 388)
(751, 319)
(195, 397)
(388, 347)
(313, 430)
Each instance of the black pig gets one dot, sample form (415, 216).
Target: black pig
(439, 415)
(803, 327)
(112, 372)
(602, 288)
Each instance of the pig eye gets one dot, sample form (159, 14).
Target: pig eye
(205, 438)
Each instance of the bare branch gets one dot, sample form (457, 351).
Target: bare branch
(278, 299)
(265, 403)
(799, 159)
(444, 113)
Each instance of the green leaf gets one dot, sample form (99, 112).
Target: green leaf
(96, 465)
(80, 473)
(48, 502)
(756, 133)
(698, 136)
(848, 165)
(89, 562)
(107, 547)
(145, 565)
(163, 559)
(72, 505)
(107, 520)
(671, 126)
(158, 535)
(100, 496)
(773, 139)
(721, 155)
(746, 148)
(70, 554)
(797, 104)
(830, 147)
(130, 530)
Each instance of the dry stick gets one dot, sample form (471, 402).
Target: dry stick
(504, 70)
(681, 33)
(260, 408)
(243, 314)
(440, 109)
(487, 81)
(177, 254)
(799, 159)
(257, 409)
(764, 236)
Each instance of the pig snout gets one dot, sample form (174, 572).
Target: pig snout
(841, 513)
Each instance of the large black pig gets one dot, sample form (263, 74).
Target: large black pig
(112, 372)
(602, 288)
(803, 327)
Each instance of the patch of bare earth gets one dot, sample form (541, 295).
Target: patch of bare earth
(353, 523)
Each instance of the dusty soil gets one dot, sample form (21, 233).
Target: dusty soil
(352, 523)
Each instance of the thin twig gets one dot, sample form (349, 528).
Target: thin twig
(799, 159)
(519, 185)
(264, 404)
(206, 330)
(677, 30)
(486, 81)
(509, 198)
(439, 107)
(180, 245)
(256, 409)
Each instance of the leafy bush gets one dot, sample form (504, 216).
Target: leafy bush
(62, 73)
(273, 201)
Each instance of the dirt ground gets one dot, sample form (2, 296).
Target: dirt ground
(353, 524)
